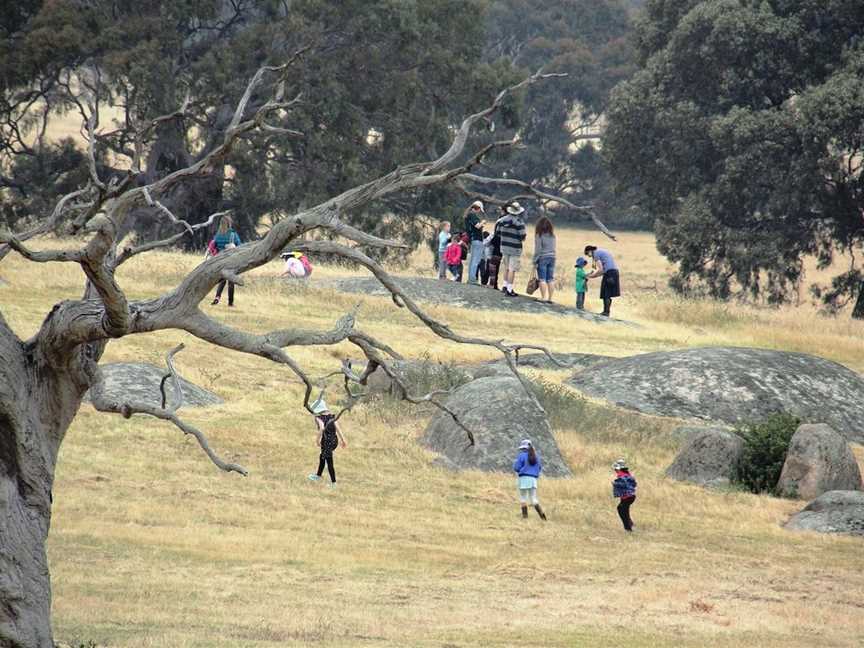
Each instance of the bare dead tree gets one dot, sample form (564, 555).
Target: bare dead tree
(44, 378)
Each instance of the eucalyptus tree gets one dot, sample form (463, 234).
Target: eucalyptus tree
(742, 134)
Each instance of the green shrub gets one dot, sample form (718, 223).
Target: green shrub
(765, 447)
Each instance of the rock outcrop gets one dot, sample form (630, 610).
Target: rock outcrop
(466, 296)
(139, 382)
(818, 460)
(832, 512)
(732, 385)
(709, 457)
(500, 414)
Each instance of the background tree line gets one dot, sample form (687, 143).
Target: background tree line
(383, 83)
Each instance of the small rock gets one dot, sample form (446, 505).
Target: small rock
(818, 460)
(709, 458)
(832, 512)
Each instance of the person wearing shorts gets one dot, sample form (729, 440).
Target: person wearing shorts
(527, 468)
(544, 257)
(511, 228)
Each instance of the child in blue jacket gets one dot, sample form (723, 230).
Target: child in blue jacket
(624, 488)
(528, 466)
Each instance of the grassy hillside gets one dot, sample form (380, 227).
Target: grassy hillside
(152, 546)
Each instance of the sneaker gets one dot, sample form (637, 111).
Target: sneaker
(314, 477)
(332, 484)
(512, 293)
(214, 302)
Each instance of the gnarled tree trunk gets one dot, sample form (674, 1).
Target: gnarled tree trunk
(38, 401)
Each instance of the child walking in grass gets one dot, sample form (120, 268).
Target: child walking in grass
(581, 282)
(624, 488)
(329, 437)
(528, 466)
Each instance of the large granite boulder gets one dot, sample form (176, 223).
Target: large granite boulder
(732, 385)
(499, 414)
(818, 460)
(709, 457)
(139, 382)
(465, 295)
(832, 512)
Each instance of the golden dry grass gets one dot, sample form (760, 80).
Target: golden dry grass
(152, 546)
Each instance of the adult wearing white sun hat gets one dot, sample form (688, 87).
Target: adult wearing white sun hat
(512, 231)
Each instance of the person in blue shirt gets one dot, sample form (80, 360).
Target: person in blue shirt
(528, 466)
(605, 266)
(226, 239)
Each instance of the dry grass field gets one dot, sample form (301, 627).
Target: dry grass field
(152, 546)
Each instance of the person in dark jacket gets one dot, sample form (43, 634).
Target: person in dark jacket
(624, 489)
(329, 438)
(528, 466)
(492, 244)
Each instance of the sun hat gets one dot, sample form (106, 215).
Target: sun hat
(515, 209)
(319, 407)
(478, 204)
(619, 465)
(581, 261)
(525, 444)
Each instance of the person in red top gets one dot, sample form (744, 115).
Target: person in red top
(453, 257)
(624, 488)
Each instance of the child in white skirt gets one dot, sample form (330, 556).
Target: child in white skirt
(528, 466)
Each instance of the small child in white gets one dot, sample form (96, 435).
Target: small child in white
(528, 466)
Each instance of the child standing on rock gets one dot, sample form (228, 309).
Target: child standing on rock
(329, 436)
(528, 466)
(624, 488)
(581, 282)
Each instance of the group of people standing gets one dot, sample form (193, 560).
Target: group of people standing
(488, 252)
(528, 467)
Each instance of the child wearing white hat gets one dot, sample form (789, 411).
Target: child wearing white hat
(329, 437)
(528, 466)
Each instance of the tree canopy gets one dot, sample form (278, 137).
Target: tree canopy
(384, 83)
(742, 135)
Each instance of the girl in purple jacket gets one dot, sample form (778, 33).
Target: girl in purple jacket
(528, 466)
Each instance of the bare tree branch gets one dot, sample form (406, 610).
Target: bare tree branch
(541, 195)
(130, 252)
(103, 404)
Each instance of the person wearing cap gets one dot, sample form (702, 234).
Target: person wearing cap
(528, 466)
(474, 228)
(624, 488)
(604, 266)
(329, 437)
(581, 282)
(512, 231)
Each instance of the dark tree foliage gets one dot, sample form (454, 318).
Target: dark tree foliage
(742, 136)
(383, 83)
(588, 40)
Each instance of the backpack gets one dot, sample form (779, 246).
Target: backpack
(307, 265)
(453, 254)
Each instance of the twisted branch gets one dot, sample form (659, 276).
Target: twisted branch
(103, 404)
